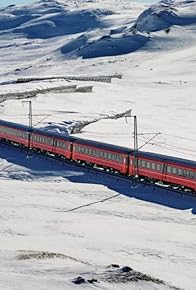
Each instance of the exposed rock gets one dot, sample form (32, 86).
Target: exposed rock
(79, 280)
(91, 281)
(126, 269)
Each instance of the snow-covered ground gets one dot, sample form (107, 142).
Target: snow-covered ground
(41, 209)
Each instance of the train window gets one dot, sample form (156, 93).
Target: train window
(105, 155)
(101, 154)
(97, 153)
(169, 169)
(153, 166)
(180, 172)
(188, 173)
(143, 163)
(184, 172)
(158, 167)
(174, 170)
(120, 159)
(191, 174)
(94, 152)
(148, 164)
(109, 155)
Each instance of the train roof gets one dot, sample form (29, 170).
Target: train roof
(102, 145)
(14, 125)
(86, 142)
(51, 134)
(166, 158)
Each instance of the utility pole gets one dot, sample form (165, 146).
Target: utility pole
(29, 114)
(30, 121)
(135, 148)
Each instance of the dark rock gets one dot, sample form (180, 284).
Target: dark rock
(92, 281)
(114, 266)
(126, 269)
(78, 280)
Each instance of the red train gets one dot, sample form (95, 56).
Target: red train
(176, 172)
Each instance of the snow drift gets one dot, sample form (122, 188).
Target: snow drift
(91, 34)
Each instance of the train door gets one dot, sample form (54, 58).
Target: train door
(131, 166)
(165, 168)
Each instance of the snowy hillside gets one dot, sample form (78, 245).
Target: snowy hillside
(58, 221)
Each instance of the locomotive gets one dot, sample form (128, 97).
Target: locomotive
(177, 173)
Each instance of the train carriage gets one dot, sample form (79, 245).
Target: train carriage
(168, 169)
(15, 133)
(148, 166)
(181, 172)
(53, 142)
(105, 155)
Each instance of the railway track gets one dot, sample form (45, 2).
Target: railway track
(118, 176)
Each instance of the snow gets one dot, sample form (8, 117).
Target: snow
(89, 219)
